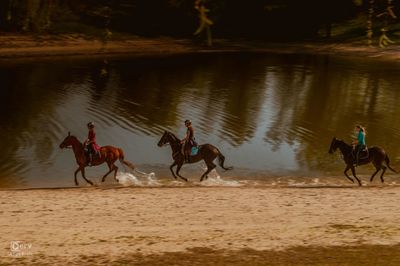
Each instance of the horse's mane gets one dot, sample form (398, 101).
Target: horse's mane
(343, 142)
(173, 135)
(72, 136)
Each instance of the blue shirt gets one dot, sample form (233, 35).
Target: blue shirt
(361, 138)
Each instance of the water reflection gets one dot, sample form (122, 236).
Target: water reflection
(270, 114)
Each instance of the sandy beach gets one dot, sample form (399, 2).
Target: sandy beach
(14, 46)
(201, 226)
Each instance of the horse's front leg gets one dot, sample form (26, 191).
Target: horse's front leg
(345, 173)
(76, 172)
(104, 176)
(84, 177)
(172, 169)
(353, 170)
(178, 168)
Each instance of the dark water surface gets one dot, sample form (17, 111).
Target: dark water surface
(271, 115)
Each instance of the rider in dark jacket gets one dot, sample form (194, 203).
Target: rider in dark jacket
(90, 143)
(188, 142)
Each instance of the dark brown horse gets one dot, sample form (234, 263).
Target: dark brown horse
(207, 152)
(376, 155)
(108, 154)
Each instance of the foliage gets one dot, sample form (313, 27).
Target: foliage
(256, 19)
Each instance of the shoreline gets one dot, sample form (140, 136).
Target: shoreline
(200, 186)
(29, 47)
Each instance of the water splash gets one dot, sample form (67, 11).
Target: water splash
(137, 179)
(128, 179)
(214, 179)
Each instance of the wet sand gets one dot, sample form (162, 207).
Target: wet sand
(201, 226)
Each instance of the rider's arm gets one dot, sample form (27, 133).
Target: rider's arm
(186, 137)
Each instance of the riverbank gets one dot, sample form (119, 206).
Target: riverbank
(27, 46)
(200, 226)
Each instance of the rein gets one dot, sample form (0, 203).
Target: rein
(175, 153)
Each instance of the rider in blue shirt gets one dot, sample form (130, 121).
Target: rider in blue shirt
(359, 142)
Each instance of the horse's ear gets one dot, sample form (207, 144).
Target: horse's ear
(69, 133)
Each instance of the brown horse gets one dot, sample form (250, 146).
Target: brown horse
(108, 154)
(376, 155)
(207, 152)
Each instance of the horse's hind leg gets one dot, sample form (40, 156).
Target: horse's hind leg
(354, 174)
(177, 172)
(383, 172)
(210, 167)
(373, 175)
(345, 173)
(110, 170)
(84, 177)
(115, 172)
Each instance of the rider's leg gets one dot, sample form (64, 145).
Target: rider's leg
(358, 151)
(90, 150)
(184, 151)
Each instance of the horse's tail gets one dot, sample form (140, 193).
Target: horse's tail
(122, 160)
(221, 159)
(387, 164)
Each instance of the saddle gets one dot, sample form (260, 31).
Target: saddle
(95, 152)
(194, 150)
(363, 154)
(193, 147)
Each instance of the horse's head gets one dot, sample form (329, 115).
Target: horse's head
(165, 139)
(334, 145)
(68, 141)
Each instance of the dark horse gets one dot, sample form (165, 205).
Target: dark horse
(108, 154)
(207, 152)
(376, 155)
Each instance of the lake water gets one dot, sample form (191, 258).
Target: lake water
(272, 116)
